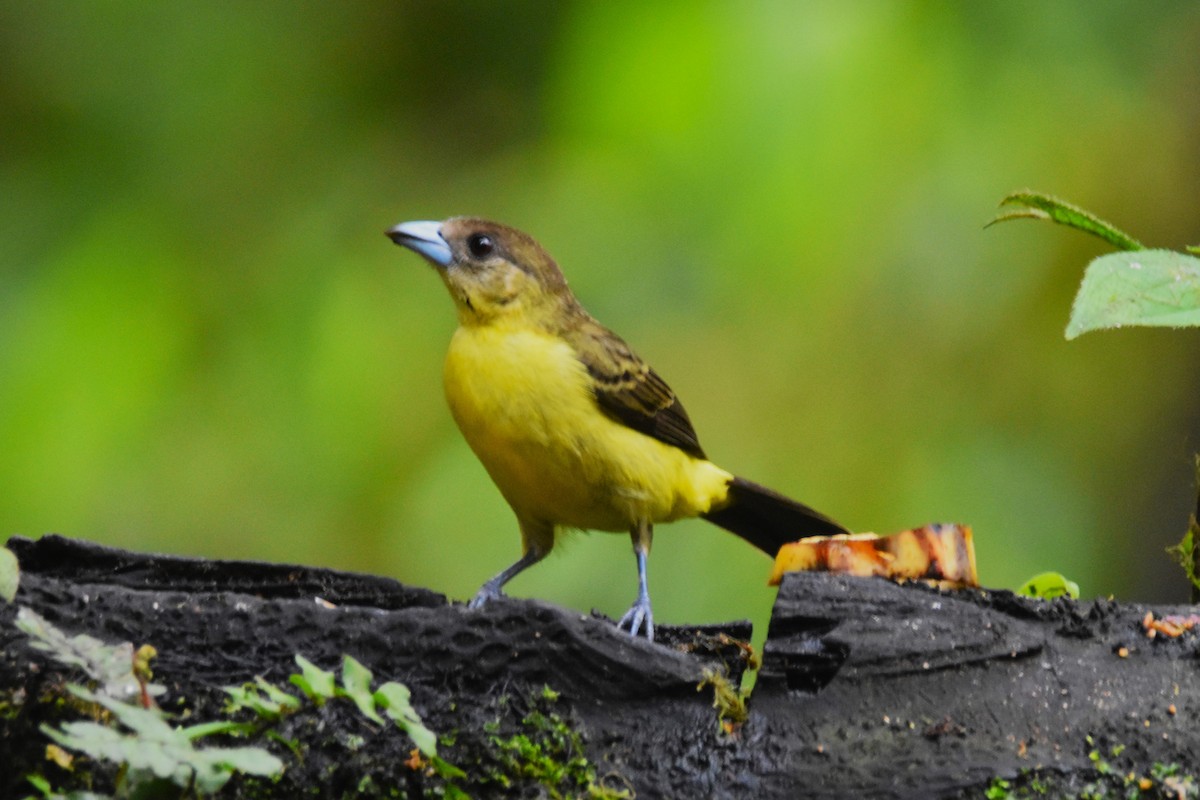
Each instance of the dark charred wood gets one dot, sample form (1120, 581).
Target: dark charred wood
(868, 688)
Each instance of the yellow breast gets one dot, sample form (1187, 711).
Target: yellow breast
(524, 403)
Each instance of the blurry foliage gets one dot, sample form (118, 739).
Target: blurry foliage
(207, 345)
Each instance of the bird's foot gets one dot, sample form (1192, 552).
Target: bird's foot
(639, 618)
(486, 594)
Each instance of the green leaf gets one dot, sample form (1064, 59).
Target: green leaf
(445, 769)
(223, 726)
(153, 747)
(1036, 205)
(277, 695)
(156, 752)
(452, 792)
(247, 698)
(1159, 288)
(1183, 553)
(317, 684)
(356, 680)
(110, 665)
(264, 699)
(214, 765)
(394, 699)
(39, 783)
(10, 574)
(1049, 585)
(997, 790)
(42, 785)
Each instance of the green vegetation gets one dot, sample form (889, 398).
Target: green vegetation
(1049, 585)
(128, 742)
(1156, 288)
(1035, 205)
(131, 731)
(728, 700)
(1184, 554)
(549, 752)
(1187, 553)
(269, 703)
(1114, 776)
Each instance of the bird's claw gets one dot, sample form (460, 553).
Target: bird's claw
(639, 618)
(486, 594)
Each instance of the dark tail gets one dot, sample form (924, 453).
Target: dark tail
(767, 519)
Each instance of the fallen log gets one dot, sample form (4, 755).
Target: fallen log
(867, 688)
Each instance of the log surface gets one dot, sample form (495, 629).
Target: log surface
(867, 688)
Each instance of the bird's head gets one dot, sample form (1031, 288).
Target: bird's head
(494, 273)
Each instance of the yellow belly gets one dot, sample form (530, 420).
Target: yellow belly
(523, 401)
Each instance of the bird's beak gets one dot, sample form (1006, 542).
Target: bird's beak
(424, 238)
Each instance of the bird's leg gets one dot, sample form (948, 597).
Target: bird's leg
(639, 616)
(493, 588)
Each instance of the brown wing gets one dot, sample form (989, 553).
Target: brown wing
(632, 393)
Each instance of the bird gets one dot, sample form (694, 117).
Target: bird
(574, 428)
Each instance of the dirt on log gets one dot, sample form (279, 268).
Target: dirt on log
(867, 688)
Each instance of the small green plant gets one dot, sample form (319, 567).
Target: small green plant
(549, 752)
(1049, 585)
(1135, 286)
(1098, 758)
(1117, 776)
(131, 731)
(728, 700)
(154, 757)
(1185, 553)
(1174, 781)
(112, 667)
(997, 790)
(155, 754)
(269, 704)
(1114, 775)
(392, 700)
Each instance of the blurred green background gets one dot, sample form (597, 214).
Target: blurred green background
(207, 346)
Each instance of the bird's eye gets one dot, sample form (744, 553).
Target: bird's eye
(480, 245)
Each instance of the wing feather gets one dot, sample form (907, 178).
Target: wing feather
(632, 393)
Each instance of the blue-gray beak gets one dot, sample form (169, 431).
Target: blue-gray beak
(424, 238)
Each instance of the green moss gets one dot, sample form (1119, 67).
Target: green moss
(728, 700)
(547, 751)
